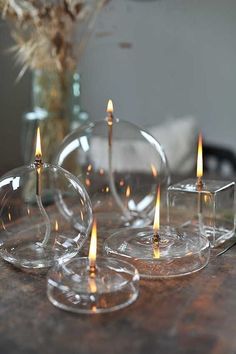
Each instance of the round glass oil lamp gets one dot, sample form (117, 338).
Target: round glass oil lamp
(120, 164)
(92, 285)
(45, 214)
(160, 251)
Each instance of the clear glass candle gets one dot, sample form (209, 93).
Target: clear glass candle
(209, 209)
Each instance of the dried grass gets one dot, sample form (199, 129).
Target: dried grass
(43, 30)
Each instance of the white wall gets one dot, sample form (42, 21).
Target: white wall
(178, 58)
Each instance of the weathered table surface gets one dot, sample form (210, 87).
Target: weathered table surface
(193, 314)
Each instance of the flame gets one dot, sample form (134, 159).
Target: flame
(89, 168)
(92, 263)
(156, 224)
(199, 157)
(56, 225)
(110, 108)
(154, 170)
(107, 189)
(93, 246)
(28, 211)
(9, 216)
(128, 192)
(38, 150)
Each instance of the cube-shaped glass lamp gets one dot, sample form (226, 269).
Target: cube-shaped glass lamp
(209, 208)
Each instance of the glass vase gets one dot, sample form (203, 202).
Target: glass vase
(56, 110)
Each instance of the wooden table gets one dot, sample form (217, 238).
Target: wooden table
(193, 314)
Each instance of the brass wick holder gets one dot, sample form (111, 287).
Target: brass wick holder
(110, 119)
(125, 210)
(38, 165)
(199, 185)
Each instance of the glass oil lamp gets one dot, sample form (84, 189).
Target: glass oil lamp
(204, 205)
(160, 251)
(45, 214)
(120, 164)
(92, 284)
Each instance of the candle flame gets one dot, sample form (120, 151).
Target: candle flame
(154, 170)
(199, 157)
(110, 108)
(92, 277)
(156, 224)
(38, 150)
(128, 192)
(93, 246)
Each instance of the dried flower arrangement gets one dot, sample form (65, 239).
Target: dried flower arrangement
(43, 29)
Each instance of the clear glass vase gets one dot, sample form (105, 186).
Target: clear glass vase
(56, 109)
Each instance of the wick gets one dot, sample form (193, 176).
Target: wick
(110, 117)
(38, 161)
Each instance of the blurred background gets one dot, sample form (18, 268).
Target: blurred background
(157, 59)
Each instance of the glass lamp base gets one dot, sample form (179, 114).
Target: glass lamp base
(71, 287)
(216, 236)
(29, 254)
(113, 220)
(177, 252)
